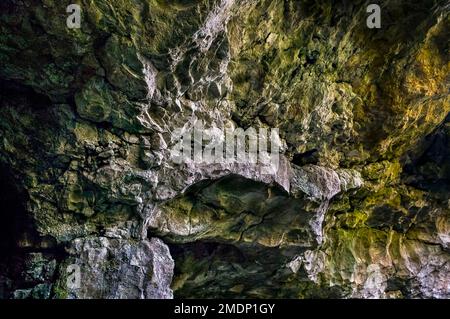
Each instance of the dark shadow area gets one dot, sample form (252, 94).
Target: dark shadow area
(24, 255)
(16, 229)
(221, 270)
(308, 157)
(429, 169)
(10, 90)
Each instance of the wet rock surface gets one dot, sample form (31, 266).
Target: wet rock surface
(358, 207)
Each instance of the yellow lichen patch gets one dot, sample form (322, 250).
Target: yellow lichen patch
(179, 281)
(431, 69)
(352, 220)
(384, 172)
(86, 133)
(237, 289)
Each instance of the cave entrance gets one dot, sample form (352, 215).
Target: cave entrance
(13, 230)
(25, 257)
(12, 212)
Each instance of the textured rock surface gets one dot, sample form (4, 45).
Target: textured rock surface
(359, 206)
(116, 268)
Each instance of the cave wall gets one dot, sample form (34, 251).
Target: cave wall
(359, 206)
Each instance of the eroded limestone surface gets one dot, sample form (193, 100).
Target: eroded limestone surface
(359, 206)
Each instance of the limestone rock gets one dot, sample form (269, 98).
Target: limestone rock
(358, 205)
(116, 268)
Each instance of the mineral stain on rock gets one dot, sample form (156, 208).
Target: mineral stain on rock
(359, 207)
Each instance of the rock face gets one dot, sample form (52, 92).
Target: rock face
(358, 206)
(116, 268)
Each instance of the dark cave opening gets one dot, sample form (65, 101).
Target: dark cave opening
(12, 228)
(430, 169)
(308, 157)
(15, 224)
(20, 243)
(10, 91)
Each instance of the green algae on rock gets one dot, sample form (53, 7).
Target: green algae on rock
(359, 207)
